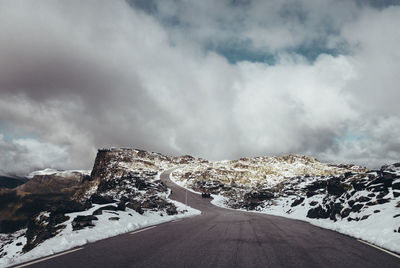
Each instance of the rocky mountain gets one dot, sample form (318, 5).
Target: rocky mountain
(257, 172)
(124, 189)
(121, 180)
(347, 198)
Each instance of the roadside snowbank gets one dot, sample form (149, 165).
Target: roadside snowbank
(376, 229)
(129, 220)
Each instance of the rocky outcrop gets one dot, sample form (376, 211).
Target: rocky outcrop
(120, 179)
(333, 197)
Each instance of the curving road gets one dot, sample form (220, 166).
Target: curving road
(226, 238)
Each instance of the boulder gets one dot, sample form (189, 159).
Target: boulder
(383, 201)
(345, 212)
(317, 185)
(335, 187)
(135, 205)
(396, 185)
(318, 213)
(100, 199)
(364, 217)
(357, 207)
(171, 210)
(310, 194)
(363, 199)
(81, 222)
(297, 202)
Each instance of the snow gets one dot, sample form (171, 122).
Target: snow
(182, 183)
(62, 173)
(377, 229)
(129, 220)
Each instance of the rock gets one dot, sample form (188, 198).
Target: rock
(335, 209)
(397, 215)
(396, 194)
(171, 210)
(149, 204)
(364, 217)
(357, 207)
(377, 211)
(98, 211)
(335, 187)
(297, 202)
(113, 219)
(109, 207)
(317, 213)
(313, 203)
(383, 201)
(363, 199)
(379, 188)
(310, 194)
(99, 199)
(43, 227)
(351, 203)
(121, 206)
(345, 212)
(382, 194)
(396, 186)
(135, 205)
(81, 222)
(371, 195)
(317, 185)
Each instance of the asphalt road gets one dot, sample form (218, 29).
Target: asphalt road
(226, 238)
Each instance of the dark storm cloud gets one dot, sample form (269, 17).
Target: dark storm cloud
(219, 80)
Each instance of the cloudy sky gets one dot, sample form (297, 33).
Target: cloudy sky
(215, 79)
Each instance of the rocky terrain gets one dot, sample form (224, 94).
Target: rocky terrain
(350, 199)
(255, 173)
(123, 190)
(123, 183)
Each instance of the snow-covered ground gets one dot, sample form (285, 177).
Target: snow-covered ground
(129, 220)
(182, 184)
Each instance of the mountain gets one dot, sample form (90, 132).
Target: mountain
(124, 190)
(346, 198)
(123, 182)
(11, 182)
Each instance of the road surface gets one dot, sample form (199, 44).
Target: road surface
(226, 238)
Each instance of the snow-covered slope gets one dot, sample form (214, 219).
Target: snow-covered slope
(123, 193)
(362, 205)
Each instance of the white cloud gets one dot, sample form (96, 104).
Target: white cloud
(22, 155)
(79, 76)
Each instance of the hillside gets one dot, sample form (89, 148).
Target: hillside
(123, 191)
